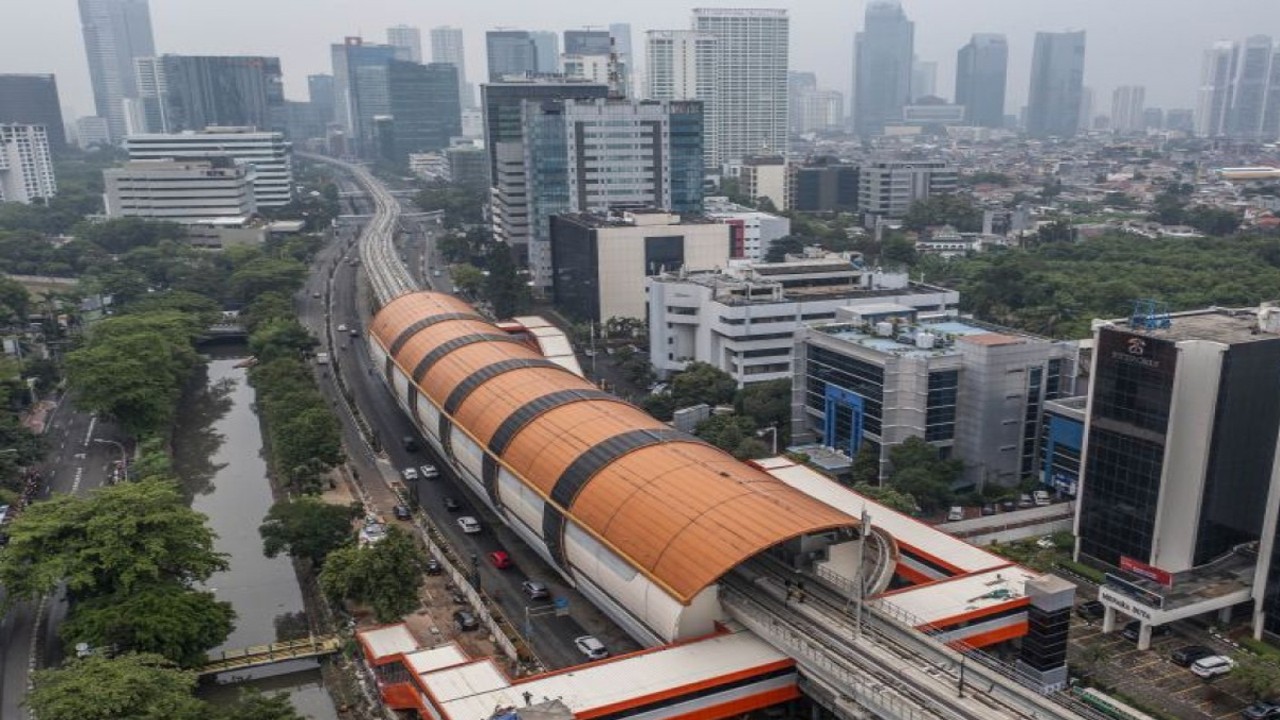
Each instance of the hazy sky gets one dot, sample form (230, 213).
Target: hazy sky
(1156, 43)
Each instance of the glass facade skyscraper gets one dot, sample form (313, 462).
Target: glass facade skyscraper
(982, 69)
(510, 52)
(33, 100)
(882, 63)
(1057, 82)
(116, 32)
(226, 91)
(424, 105)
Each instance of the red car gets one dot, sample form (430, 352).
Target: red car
(500, 559)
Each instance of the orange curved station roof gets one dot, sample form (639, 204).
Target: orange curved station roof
(681, 511)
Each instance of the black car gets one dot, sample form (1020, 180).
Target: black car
(1091, 609)
(1132, 629)
(1262, 710)
(451, 505)
(1188, 654)
(464, 620)
(434, 567)
(402, 512)
(989, 509)
(1008, 505)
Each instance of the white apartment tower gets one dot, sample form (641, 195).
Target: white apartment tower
(407, 41)
(26, 168)
(682, 65)
(751, 95)
(447, 47)
(1217, 74)
(1127, 105)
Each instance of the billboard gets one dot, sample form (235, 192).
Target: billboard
(1143, 570)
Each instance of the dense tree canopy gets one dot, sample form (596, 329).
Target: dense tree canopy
(119, 539)
(955, 210)
(165, 618)
(383, 576)
(126, 687)
(703, 383)
(307, 528)
(918, 471)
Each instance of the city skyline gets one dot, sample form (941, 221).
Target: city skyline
(821, 29)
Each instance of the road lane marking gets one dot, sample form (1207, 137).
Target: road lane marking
(88, 436)
(75, 484)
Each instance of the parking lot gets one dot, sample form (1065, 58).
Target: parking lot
(1149, 678)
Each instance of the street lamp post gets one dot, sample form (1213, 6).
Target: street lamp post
(124, 455)
(773, 437)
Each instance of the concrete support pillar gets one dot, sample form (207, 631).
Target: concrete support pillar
(1144, 636)
(1108, 619)
(1259, 618)
(1224, 615)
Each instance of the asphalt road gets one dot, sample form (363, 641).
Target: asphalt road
(552, 637)
(75, 464)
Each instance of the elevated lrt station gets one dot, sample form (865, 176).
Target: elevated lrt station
(753, 580)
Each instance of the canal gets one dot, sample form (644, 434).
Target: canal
(218, 457)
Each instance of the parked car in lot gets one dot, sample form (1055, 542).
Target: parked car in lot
(1041, 498)
(1187, 655)
(955, 513)
(989, 509)
(1131, 630)
(1025, 501)
(402, 512)
(450, 504)
(1091, 610)
(342, 328)
(409, 474)
(535, 590)
(372, 533)
(1262, 710)
(434, 567)
(430, 472)
(591, 647)
(1008, 505)
(500, 559)
(469, 525)
(464, 620)
(1212, 666)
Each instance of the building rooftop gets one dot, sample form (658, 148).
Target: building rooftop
(1223, 325)
(912, 340)
(621, 221)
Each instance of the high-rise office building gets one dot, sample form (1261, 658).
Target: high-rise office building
(798, 85)
(624, 154)
(183, 190)
(228, 91)
(1085, 111)
(92, 131)
(886, 188)
(587, 42)
(546, 47)
(1249, 91)
(115, 33)
(684, 65)
(751, 93)
(982, 68)
(407, 41)
(1128, 103)
(33, 100)
(621, 34)
(447, 47)
(882, 65)
(424, 107)
(1153, 118)
(152, 96)
(1057, 79)
(1181, 120)
(510, 53)
(360, 86)
(26, 165)
(320, 93)
(1217, 75)
(924, 79)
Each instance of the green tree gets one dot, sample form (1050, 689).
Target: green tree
(14, 300)
(1055, 232)
(768, 403)
(1213, 221)
(468, 279)
(703, 383)
(505, 288)
(165, 619)
(890, 497)
(126, 687)
(265, 307)
(725, 431)
(118, 539)
(204, 310)
(121, 235)
(899, 251)
(1259, 675)
(660, 405)
(266, 275)
(866, 465)
(255, 705)
(919, 472)
(307, 528)
(384, 576)
(786, 245)
(280, 337)
(957, 211)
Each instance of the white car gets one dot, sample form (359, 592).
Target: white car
(469, 525)
(430, 472)
(372, 533)
(1045, 542)
(410, 474)
(342, 328)
(955, 513)
(1213, 666)
(1041, 498)
(591, 647)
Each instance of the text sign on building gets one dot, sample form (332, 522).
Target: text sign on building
(1130, 606)
(1150, 572)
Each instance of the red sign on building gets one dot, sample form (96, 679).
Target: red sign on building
(1143, 570)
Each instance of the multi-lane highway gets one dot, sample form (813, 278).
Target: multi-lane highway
(343, 302)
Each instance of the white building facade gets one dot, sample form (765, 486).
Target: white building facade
(268, 152)
(744, 320)
(758, 229)
(683, 65)
(26, 167)
(182, 191)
